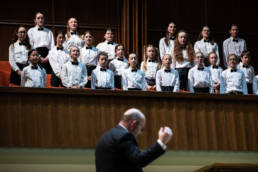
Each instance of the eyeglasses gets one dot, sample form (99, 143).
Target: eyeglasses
(22, 32)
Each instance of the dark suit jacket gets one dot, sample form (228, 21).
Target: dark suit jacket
(117, 150)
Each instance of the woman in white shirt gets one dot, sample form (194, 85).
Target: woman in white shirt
(206, 44)
(183, 58)
(18, 54)
(166, 44)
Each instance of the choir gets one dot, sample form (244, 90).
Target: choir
(176, 66)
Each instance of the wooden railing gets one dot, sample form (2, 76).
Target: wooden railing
(76, 118)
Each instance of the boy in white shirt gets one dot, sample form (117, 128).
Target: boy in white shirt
(33, 75)
(232, 79)
(74, 73)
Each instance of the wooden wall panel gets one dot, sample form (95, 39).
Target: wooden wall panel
(73, 118)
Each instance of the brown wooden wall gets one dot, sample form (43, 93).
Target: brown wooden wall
(193, 15)
(77, 118)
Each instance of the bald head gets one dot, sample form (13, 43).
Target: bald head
(133, 114)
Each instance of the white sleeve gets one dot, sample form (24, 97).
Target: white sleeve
(162, 49)
(217, 53)
(211, 83)
(23, 78)
(54, 64)
(143, 82)
(64, 76)
(222, 83)
(124, 81)
(84, 76)
(93, 80)
(225, 53)
(196, 47)
(112, 81)
(11, 58)
(177, 85)
(244, 85)
(31, 38)
(158, 81)
(190, 80)
(255, 85)
(51, 38)
(44, 76)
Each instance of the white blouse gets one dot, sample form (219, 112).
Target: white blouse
(73, 74)
(17, 54)
(57, 58)
(200, 78)
(102, 78)
(33, 77)
(164, 78)
(133, 79)
(233, 81)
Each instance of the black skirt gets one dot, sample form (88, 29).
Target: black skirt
(14, 77)
(202, 90)
(43, 52)
(167, 88)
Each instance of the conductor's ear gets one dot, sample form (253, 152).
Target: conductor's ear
(132, 124)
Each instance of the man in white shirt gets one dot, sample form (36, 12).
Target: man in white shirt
(233, 45)
(232, 79)
(108, 45)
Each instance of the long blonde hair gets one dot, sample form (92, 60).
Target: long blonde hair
(145, 58)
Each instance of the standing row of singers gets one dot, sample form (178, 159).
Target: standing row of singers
(75, 67)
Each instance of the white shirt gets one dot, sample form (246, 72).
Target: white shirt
(74, 40)
(151, 69)
(33, 77)
(17, 54)
(132, 79)
(89, 56)
(103, 79)
(233, 81)
(200, 78)
(42, 38)
(206, 47)
(215, 74)
(57, 58)
(74, 74)
(255, 85)
(184, 64)
(108, 48)
(117, 66)
(164, 49)
(167, 79)
(248, 71)
(232, 47)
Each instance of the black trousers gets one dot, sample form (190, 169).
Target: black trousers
(118, 81)
(55, 81)
(183, 78)
(90, 68)
(250, 88)
(43, 52)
